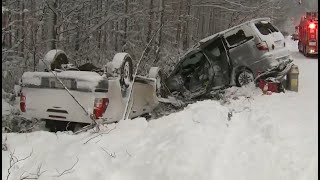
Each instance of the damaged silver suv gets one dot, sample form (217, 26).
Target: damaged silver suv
(236, 56)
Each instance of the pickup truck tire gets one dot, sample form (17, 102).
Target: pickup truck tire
(126, 72)
(244, 77)
(53, 60)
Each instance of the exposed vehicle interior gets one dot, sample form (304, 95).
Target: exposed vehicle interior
(194, 71)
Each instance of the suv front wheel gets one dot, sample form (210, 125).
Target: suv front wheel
(244, 77)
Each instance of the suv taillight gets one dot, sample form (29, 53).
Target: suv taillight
(262, 46)
(22, 103)
(100, 106)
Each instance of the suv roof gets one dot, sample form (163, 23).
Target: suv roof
(234, 27)
(203, 42)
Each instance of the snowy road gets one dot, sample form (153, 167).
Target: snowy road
(268, 137)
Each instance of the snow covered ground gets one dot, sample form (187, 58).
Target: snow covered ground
(267, 137)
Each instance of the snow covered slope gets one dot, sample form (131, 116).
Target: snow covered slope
(267, 137)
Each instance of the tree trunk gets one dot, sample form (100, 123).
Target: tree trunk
(178, 32)
(52, 24)
(77, 40)
(34, 30)
(159, 41)
(186, 39)
(125, 28)
(149, 25)
(116, 36)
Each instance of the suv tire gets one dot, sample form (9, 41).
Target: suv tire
(244, 77)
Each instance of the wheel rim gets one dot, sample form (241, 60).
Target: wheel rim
(245, 78)
(126, 73)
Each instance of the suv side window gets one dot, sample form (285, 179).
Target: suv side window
(237, 37)
(265, 27)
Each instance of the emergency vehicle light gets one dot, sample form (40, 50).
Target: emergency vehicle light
(312, 26)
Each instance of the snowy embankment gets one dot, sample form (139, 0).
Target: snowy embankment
(267, 137)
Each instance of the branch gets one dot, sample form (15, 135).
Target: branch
(14, 162)
(67, 171)
(110, 154)
(126, 110)
(100, 134)
(128, 153)
(51, 9)
(34, 175)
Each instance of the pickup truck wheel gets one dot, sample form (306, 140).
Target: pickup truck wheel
(121, 67)
(126, 72)
(244, 77)
(53, 59)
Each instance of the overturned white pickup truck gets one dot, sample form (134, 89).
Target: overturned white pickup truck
(66, 98)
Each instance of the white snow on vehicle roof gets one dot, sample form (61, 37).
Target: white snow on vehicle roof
(84, 79)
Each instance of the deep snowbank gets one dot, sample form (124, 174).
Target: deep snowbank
(193, 144)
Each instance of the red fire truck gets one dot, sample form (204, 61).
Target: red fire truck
(308, 34)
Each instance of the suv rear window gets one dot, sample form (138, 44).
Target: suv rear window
(266, 28)
(237, 37)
